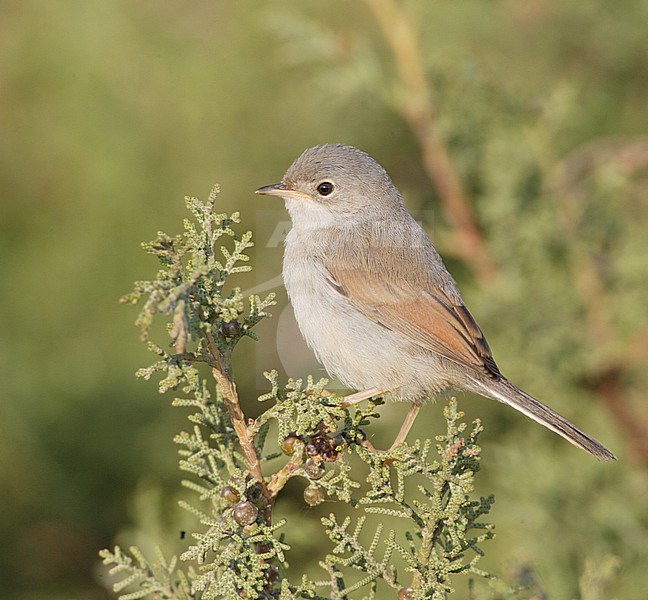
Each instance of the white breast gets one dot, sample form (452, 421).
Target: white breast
(360, 352)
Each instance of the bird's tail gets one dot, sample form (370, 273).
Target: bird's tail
(504, 391)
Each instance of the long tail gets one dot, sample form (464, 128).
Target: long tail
(506, 392)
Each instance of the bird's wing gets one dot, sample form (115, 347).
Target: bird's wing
(413, 300)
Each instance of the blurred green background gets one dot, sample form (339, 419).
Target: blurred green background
(111, 112)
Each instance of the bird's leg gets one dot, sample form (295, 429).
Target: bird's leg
(362, 395)
(406, 426)
(402, 434)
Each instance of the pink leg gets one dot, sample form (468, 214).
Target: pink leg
(362, 395)
(406, 426)
(402, 434)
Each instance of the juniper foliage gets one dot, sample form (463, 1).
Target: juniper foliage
(238, 549)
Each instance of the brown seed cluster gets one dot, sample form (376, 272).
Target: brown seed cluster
(320, 448)
(246, 513)
(247, 510)
(323, 445)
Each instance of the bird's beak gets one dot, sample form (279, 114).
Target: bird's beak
(282, 190)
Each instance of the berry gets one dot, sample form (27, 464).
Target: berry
(255, 494)
(288, 446)
(313, 469)
(313, 495)
(230, 494)
(245, 513)
(230, 329)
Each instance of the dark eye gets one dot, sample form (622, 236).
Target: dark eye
(325, 188)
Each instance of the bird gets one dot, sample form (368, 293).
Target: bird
(374, 300)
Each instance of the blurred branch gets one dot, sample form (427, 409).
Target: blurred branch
(637, 349)
(605, 379)
(416, 107)
(608, 386)
(596, 577)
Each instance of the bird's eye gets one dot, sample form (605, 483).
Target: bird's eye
(325, 188)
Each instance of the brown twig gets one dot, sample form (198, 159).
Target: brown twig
(417, 109)
(230, 397)
(281, 477)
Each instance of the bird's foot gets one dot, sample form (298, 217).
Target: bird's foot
(402, 434)
(362, 395)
